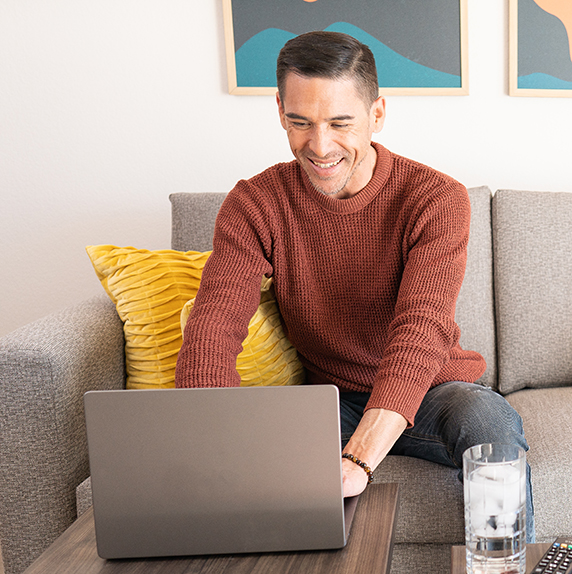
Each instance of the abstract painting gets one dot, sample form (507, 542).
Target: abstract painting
(419, 47)
(540, 48)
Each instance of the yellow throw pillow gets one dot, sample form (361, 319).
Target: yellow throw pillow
(267, 357)
(149, 289)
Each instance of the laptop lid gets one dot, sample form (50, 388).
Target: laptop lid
(214, 471)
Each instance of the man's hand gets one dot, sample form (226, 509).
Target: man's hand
(371, 441)
(354, 478)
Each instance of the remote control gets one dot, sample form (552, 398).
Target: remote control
(558, 558)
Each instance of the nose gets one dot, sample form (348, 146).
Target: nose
(320, 142)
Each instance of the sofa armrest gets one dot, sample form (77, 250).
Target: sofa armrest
(45, 369)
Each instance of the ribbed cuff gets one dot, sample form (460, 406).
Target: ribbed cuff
(394, 394)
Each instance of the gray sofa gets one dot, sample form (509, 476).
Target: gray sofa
(515, 308)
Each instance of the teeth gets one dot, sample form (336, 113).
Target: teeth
(327, 165)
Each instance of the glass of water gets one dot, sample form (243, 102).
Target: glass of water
(495, 509)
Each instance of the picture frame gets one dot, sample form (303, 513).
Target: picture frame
(540, 48)
(420, 48)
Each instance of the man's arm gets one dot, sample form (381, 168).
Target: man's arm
(371, 441)
(228, 296)
(423, 337)
(423, 331)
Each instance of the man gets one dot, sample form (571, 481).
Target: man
(367, 250)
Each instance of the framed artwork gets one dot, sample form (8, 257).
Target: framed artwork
(540, 56)
(420, 48)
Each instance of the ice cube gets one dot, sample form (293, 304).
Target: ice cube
(494, 489)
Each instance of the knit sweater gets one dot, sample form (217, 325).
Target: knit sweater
(366, 286)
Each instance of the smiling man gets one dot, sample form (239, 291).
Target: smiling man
(331, 139)
(367, 250)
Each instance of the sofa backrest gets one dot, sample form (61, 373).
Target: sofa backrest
(193, 219)
(475, 312)
(532, 237)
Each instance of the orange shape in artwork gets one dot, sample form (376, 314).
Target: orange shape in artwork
(562, 9)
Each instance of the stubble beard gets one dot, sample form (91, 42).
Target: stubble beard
(341, 187)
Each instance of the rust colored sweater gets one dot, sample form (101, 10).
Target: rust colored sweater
(366, 286)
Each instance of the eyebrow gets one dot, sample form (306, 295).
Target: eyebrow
(342, 118)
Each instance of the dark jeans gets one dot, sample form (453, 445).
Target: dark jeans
(452, 417)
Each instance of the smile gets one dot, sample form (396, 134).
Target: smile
(326, 165)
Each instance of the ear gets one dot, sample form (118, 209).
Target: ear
(281, 110)
(378, 114)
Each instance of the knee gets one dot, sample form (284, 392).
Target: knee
(485, 416)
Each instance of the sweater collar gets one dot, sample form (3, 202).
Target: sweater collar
(363, 197)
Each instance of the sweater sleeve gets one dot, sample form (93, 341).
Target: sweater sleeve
(423, 332)
(228, 296)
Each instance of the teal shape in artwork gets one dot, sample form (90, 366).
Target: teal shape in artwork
(256, 58)
(539, 81)
(395, 70)
(256, 61)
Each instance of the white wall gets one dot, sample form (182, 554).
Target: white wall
(107, 107)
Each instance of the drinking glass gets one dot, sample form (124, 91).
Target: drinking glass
(495, 509)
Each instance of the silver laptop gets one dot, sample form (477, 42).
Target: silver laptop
(181, 472)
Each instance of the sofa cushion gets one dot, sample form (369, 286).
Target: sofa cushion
(193, 219)
(83, 497)
(421, 558)
(149, 289)
(548, 428)
(475, 306)
(430, 500)
(532, 234)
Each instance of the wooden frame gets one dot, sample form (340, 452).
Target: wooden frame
(451, 51)
(540, 48)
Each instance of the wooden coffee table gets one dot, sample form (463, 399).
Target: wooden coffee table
(534, 553)
(369, 549)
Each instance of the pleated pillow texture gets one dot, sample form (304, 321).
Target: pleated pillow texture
(149, 290)
(267, 358)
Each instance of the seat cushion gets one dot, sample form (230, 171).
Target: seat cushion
(532, 234)
(421, 558)
(548, 428)
(430, 500)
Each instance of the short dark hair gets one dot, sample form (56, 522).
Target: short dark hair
(329, 55)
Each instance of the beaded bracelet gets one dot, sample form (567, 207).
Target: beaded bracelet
(359, 462)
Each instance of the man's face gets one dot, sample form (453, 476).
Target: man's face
(329, 127)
